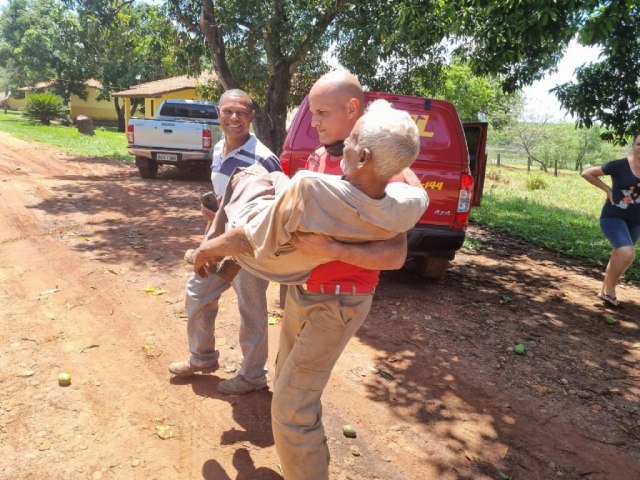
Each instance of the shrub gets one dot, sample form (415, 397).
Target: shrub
(495, 175)
(44, 107)
(536, 182)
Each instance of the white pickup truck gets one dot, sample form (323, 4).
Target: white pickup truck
(182, 133)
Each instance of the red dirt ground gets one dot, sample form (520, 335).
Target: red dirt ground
(430, 383)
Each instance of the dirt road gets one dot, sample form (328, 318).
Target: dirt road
(91, 283)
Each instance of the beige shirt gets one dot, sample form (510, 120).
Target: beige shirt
(316, 203)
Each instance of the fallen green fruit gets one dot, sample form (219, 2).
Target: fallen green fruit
(519, 349)
(64, 379)
(610, 320)
(349, 431)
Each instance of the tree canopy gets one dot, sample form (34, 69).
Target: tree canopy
(399, 46)
(127, 43)
(477, 98)
(119, 43)
(41, 41)
(608, 92)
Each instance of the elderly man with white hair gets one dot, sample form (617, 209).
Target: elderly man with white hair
(262, 210)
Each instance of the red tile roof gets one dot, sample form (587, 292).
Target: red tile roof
(166, 85)
(42, 85)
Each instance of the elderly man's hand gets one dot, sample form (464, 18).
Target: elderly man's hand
(313, 243)
(208, 215)
(203, 265)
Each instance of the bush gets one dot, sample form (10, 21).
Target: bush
(44, 107)
(535, 182)
(495, 175)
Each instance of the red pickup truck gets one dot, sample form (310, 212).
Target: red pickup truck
(451, 165)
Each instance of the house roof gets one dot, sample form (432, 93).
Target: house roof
(37, 86)
(41, 85)
(166, 85)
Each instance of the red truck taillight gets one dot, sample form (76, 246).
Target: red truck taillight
(206, 139)
(285, 164)
(130, 134)
(464, 198)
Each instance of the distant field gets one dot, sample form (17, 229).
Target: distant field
(562, 216)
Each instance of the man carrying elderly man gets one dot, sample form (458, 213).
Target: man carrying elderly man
(299, 227)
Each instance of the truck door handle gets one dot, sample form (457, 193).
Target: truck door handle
(166, 130)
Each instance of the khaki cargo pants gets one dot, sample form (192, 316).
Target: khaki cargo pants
(315, 331)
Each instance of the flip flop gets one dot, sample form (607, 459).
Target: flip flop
(609, 301)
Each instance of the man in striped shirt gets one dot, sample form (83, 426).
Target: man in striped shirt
(238, 148)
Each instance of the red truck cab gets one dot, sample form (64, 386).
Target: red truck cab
(451, 166)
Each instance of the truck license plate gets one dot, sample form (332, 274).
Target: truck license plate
(167, 157)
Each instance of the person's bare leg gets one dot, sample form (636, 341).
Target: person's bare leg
(621, 259)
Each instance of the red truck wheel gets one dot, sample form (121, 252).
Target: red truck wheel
(433, 267)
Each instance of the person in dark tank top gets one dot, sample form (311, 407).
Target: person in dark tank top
(620, 216)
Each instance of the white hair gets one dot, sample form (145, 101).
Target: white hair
(391, 136)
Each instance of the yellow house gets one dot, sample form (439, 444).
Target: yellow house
(154, 93)
(91, 107)
(16, 103)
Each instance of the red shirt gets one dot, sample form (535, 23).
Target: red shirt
(337, 272)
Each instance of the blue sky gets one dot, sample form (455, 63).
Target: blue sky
(542, 104)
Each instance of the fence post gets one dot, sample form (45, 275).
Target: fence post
(498, 160)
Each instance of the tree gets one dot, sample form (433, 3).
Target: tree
(516, 41)
(262, 47)
(608, 92)
(126, 44)
(119, 43)
(43, 41)
(531, 138)
(8, 81)
(587, 146)
(391, 46)
(273, 48)
(476, 98)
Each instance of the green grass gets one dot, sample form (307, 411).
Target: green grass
(563, 216)
(106, 144)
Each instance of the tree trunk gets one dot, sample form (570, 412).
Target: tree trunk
(85, 125)
(555, 167)
(120, 113)
(271, 121)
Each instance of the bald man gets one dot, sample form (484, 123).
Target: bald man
(322, 315)
(261, 210)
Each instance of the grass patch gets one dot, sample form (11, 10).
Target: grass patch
(563, 216)
(107, 143)
(474, 244)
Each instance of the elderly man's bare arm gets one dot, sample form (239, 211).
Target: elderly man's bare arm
(379, 255)
(232, 242)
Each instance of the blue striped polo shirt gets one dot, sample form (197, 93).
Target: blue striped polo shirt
(253, 151)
